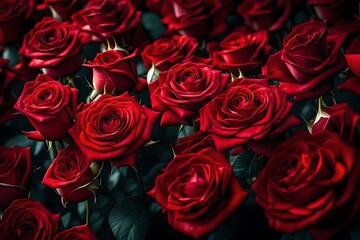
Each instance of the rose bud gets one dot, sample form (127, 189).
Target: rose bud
(113, 71)
(49, 106)
(72, 175)
(15, 174)
(197, 18)
(198, 191)
(7, 101)
(182, 90)
(311, 181)
(13, 15)
(310, 58)
(27, 219)
(165, 53)
(55, 47)
(248, 110)
(113, 128)
(242, 50)
(82, 232)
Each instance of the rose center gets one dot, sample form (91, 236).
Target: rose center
(194, 184)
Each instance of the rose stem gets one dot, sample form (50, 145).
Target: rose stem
(87, 212)
(139, 180)
(52, 150)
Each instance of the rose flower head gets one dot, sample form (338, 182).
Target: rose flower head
(198, 191)
(310, 181)
(114, 71)
(15, 174)
(165, 53)
(248, 110)
(72, 176)
(181, 91)
(55, 47)
(310, 58)
(49, 106)
(113, 128)
(27, 219)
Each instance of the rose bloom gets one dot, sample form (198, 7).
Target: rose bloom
(311, 56)
(15, 174)
(113, 71)
(242, 50)
(7, 101)
(195, 18)
(198, 191)
(165, 53)
(13, 14)
(112, 18)
(339, 118)
(269, 15)
(82, 232)
(72, 175)
(182, 90)
(113, 128)
(352, 56)
(54, 46)
(310, 181)
(49, 106)
(249, 110)
(26, 219)
(339, 14)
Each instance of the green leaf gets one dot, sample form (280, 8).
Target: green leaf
(130, 219)
(185, 131)
(247, 165)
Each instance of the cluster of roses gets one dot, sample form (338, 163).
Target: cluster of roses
(311, 179)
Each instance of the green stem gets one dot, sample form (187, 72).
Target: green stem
(139, 180)
(87, 212)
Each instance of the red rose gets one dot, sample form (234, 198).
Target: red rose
(352, 56)
(270, 15)
(182, 90)
(242, 49)
(49, 106)
(26, 219)
(113, 128)
(310, 181)
(15, 174)
(82, 232)
(54, 46)
(195, 18)
(249, 109)
(7, 101)
(339, 118)
(165, 53)
(113, 71)
(193, 143)
(65, 8)
(112, 18)
(198, 191)
(13, 14)
(72, 175)
(311, 56)
(339, 14)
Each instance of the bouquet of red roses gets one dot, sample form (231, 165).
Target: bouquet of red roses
(175, 119)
